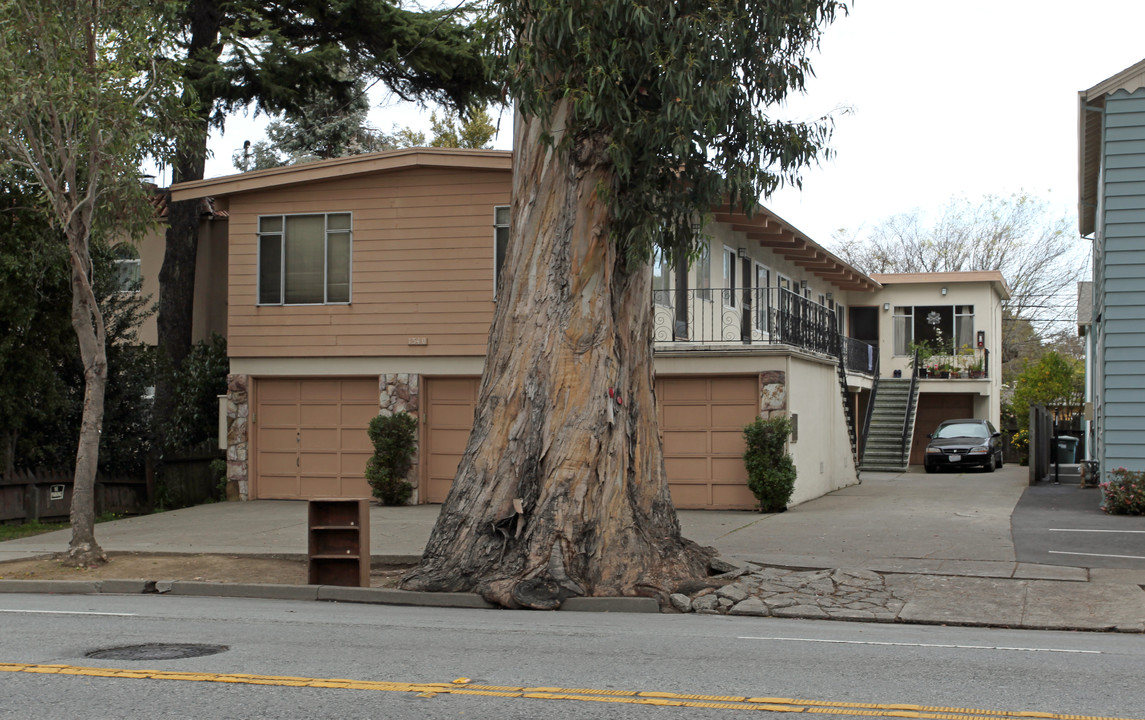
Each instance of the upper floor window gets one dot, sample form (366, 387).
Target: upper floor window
(661, 278)
(964, 326)
(128, 273)
(903, 329)
(304, 259)
(729, 291)
(704, 273)
(500, 242)
(761, 297)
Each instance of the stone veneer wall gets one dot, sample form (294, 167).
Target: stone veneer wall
(399, 392)
(772, 393)
(238, 432)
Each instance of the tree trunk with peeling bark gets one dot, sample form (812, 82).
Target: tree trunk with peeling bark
(566, 417)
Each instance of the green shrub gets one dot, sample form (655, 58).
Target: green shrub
(1124, 493)
(395, 442)
(770, 471)
(196, 387)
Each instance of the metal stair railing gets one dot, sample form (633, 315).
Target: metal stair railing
(904, 455)
(869, 413)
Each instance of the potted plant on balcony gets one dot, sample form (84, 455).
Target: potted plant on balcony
(920, 353)
(976, 370)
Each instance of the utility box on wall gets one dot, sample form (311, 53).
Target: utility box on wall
(339, 543)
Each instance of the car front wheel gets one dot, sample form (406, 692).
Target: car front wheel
(989, 466)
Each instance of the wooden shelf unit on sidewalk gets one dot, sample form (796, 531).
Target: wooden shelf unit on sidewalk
(339, 542)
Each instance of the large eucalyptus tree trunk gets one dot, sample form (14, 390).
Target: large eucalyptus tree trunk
(566, 417)
(87, 320)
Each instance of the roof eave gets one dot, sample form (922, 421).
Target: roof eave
(344, 167)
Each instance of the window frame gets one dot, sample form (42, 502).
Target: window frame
(120, 263)
(498, 253)
(761, 297)
(963, 314)
(282, 236)
(908, 333)
(704, 273)
(731, 258)
(662, 285)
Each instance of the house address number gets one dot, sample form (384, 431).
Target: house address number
(418, 341)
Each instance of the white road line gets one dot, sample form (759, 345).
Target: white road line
(924, 645)
(1140, 532)
(1123, 557)
(64, 612)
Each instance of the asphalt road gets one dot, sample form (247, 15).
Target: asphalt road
(277, 650)
(1064, 525)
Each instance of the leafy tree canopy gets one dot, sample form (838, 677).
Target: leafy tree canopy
(327, 128)
(1037, 253)
(280, 56)
(1055, 381)
(676, 98)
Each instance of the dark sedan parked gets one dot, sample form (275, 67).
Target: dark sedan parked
(962, 444)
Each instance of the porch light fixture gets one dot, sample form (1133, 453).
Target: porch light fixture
(886, 307)
(830, 297)
(741, 252)
(943, 291)
(802, 284)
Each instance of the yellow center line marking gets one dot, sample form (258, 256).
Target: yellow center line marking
(633, 697)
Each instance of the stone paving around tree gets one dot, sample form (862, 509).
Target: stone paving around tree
(751, 589)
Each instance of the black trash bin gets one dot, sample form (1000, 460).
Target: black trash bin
(1066, 449)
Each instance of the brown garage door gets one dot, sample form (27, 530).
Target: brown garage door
(702, 421)
(449, 405)
(933, 408)
(310, 437)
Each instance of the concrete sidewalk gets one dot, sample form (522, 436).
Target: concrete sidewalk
(926, 549)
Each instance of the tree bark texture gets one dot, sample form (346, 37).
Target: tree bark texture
(87, 320)
(174, 323)
(572, 323)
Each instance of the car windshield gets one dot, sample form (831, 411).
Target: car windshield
(960, 430)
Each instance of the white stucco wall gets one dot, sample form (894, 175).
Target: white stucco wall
(822, 451)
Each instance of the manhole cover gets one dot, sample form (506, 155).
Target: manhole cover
(157, 651)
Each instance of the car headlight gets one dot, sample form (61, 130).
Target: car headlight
(933, 451)
(980, 450)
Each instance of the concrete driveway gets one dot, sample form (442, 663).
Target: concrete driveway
(956, 523)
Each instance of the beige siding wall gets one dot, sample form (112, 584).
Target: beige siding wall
(422, 267)
(210, 312)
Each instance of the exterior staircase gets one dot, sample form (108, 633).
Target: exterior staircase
(848, 411)
(884, 451)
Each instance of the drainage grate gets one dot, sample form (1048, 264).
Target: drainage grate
(157, 651)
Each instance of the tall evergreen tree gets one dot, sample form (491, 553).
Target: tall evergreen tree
(281, 56)
(636, 119)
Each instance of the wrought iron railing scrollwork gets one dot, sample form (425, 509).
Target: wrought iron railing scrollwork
(770, 315)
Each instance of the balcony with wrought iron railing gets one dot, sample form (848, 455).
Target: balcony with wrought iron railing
(754, 317)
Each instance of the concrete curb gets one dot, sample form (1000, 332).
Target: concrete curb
(611, 604)
(244, 590)
(326, 593)
(50, 587)
(386, 596)
(920, 611)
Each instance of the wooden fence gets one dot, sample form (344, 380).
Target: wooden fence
(47, 495)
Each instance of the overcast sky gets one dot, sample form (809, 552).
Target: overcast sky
(949, 98)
